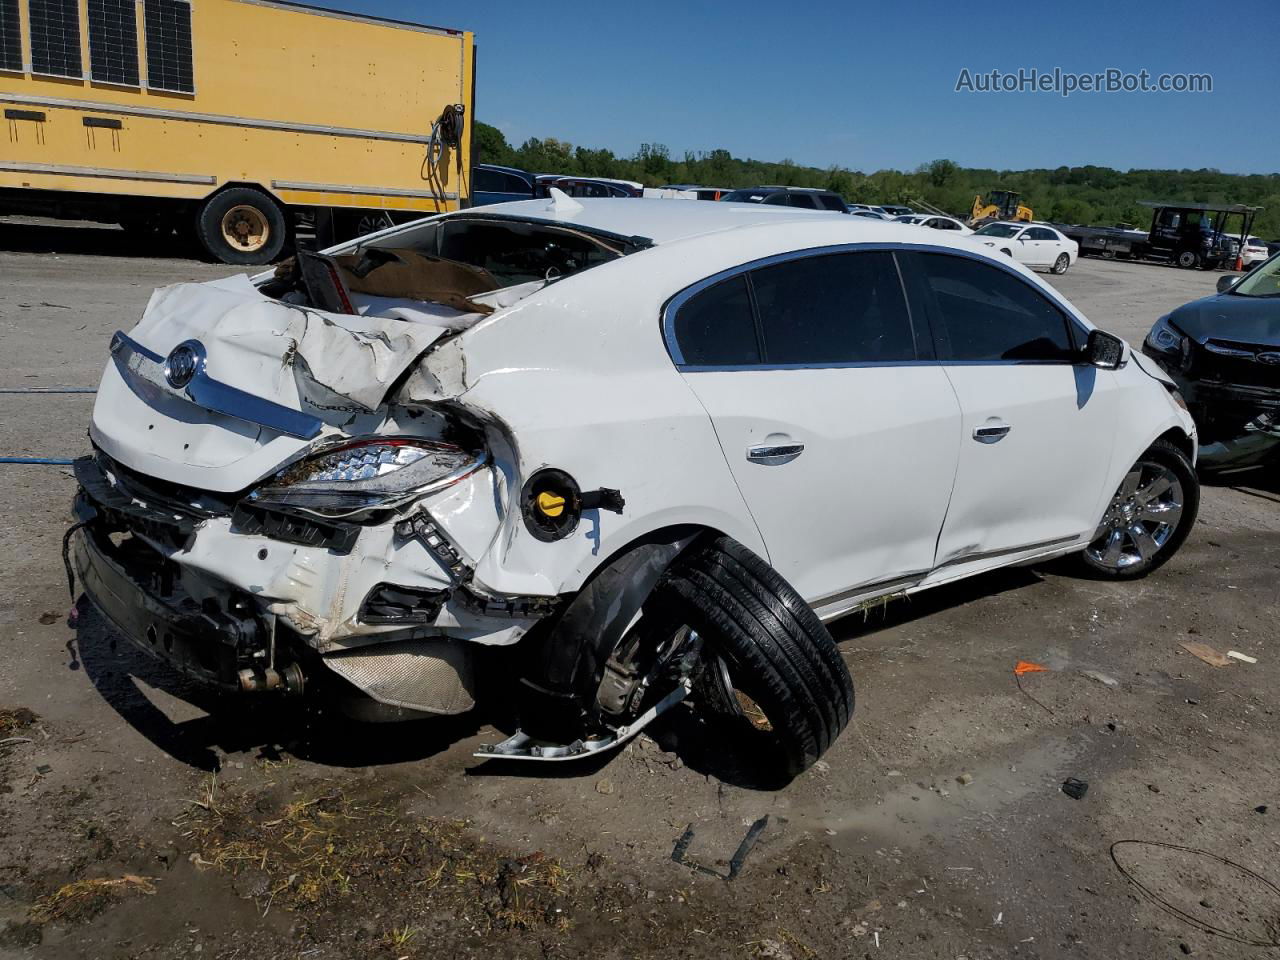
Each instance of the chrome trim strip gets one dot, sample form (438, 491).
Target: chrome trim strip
(1006, 551)
(875, 588)
(214, 118)
(144, 371)
(1214, 347)
(63, 170)
(355, 17)
(370, 191)
(673, 305)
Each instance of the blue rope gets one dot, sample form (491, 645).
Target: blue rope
(48, 389)
(45, 461)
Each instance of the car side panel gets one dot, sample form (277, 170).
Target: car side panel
(864, 502)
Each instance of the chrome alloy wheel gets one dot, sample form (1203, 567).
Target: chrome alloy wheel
(1140, 519)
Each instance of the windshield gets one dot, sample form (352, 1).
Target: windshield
(744, 196)
(1263, 281)
(999, 230)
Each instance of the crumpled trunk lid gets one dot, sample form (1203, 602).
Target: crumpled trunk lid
(269, 377)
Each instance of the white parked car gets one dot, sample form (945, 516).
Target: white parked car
(1035, 244)
(1252, 252)
(935, 222)
(617, 452)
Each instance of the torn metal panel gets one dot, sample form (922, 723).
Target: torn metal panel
(255, 343)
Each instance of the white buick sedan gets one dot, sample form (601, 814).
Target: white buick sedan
(1036, 244)
(637, 451)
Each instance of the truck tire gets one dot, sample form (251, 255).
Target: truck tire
(772, 680)
(1188, 259)
(242, 225)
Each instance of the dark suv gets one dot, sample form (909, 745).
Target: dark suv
(807, 198)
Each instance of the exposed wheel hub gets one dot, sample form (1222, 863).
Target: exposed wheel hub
(245, 228)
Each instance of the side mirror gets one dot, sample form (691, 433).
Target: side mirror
(1225, 283)
(1104, 350)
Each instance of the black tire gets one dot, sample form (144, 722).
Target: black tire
(1189, 259)
(1061, 264)
(760, 639)
(242, 212)
(353, 224)
(1163, 454)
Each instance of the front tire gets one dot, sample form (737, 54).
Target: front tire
(1061, 264)
(242, 226)
(1148, 518)
(1188, 259)
(774, 684)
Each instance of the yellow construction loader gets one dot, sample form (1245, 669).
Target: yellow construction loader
(999, 205)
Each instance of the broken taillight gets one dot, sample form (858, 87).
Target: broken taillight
(367, 475)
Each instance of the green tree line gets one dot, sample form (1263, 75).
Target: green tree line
(1090, 194)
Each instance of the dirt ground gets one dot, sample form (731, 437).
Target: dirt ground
(141, 818)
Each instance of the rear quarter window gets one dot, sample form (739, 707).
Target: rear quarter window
(716, 327)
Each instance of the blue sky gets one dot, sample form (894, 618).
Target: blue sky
(872, 85)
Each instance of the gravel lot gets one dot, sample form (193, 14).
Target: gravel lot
(138, 818)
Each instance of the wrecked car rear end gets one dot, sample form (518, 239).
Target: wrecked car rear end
(266, 497)
(317, 479)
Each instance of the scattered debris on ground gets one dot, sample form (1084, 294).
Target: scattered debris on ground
(1206, 653)
(1075, 789)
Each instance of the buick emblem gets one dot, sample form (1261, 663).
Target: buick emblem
(1270, 358)
(184, 362)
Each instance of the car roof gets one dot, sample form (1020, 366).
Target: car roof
(774, 188)
(666, 221)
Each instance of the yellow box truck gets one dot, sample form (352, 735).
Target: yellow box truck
(227, 117)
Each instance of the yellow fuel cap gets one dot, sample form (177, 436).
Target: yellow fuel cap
(550, 504)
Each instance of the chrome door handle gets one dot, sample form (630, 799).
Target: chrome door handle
(774, 453)
(991, 432)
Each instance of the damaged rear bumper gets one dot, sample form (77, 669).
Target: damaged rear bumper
(206, 644)
(258, 601)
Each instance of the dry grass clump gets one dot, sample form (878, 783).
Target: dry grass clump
(87, 898)
(14, 719)
(334, 850)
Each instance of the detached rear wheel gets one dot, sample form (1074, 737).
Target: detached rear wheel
(242, 226)
(1148, 518)
(772, 683)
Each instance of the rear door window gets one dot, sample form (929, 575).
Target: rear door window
(833, 309)
(716, 327)
(829, 201)
(804, 200)
(989, 315)
(488, 181)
